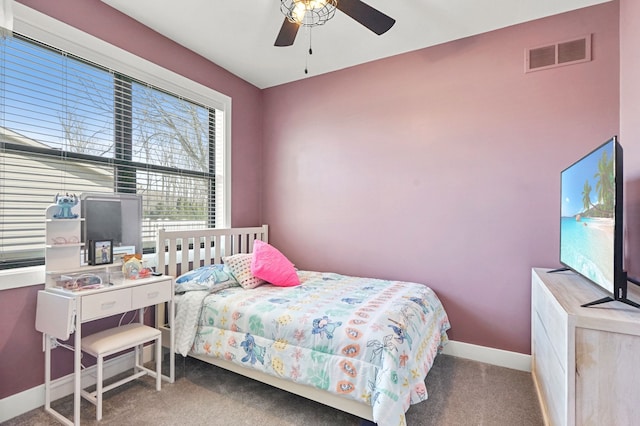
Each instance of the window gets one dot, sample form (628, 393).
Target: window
(68, 125)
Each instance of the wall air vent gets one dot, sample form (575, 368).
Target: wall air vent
(554, 55)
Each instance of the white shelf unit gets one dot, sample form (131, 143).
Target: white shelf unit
(63, 246)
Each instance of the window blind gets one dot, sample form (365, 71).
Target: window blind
(71, 126)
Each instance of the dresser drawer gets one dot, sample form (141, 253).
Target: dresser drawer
(151, 294)
(553, 320)
(106, 303)
(549, 374)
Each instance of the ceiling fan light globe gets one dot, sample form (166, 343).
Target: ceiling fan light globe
(308, 13)
(316, 4)
(299, 11)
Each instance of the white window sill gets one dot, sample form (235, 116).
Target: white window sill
(22, 277)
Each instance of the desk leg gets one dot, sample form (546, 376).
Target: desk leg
(47, 372)
(138, 351)
(77, 366)
(172, 342)
(47, 383)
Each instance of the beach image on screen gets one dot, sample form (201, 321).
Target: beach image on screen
(587, 222)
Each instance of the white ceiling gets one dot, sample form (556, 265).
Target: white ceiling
(238, 35)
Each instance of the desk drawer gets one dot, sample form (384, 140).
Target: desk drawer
(105, 304)
(151, 294)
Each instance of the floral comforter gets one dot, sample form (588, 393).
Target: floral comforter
(366, 339)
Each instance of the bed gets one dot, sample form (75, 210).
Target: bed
(357, 344)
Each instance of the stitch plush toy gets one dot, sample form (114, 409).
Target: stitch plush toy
(65, 203)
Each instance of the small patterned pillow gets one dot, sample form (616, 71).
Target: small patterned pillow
(240, 266)
(211, 277)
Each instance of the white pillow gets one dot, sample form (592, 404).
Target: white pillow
(240, 267)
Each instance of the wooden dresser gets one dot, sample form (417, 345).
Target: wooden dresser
(585, 361)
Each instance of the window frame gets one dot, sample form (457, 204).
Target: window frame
(48, 30)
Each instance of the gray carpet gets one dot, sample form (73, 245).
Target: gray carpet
(461, 392)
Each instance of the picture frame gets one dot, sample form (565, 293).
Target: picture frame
(101, 252)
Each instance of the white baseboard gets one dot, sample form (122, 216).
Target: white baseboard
(499, 357)
(33, 398)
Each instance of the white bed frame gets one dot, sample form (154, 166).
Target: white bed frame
(172, 258)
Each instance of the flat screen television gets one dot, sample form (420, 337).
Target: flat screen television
(591, 227)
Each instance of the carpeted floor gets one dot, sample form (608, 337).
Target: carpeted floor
(461, 392)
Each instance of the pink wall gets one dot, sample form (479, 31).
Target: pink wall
(630, 125)
(441, 166)
(20, 345)
(21, 358)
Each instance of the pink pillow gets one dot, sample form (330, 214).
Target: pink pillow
(272, 266)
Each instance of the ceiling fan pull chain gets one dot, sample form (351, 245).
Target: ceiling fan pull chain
(306, 66)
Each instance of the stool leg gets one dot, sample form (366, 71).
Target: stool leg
(99, 389)
(158, 362)
(137, 358)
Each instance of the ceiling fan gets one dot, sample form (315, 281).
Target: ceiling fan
(361, 12)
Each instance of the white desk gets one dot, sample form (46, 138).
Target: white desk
(61, 312)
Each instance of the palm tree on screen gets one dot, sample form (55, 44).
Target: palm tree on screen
(586, 196)
(605, 184)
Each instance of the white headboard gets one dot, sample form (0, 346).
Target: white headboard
(203, 246)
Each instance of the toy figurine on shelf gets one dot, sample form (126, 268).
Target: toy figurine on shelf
(132, 267)
(65, 204)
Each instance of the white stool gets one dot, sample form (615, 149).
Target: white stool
(114, 340)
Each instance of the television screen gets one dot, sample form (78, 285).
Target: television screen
(591, 218)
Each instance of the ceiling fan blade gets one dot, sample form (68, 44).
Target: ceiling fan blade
(366, 15)
(287, 34)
